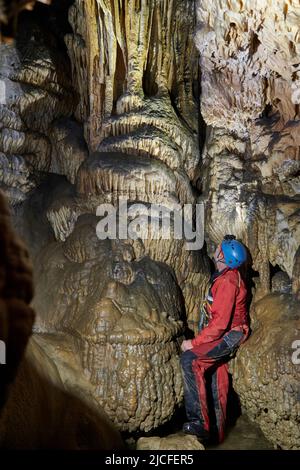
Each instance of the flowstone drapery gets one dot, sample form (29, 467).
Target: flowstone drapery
(36, 409)
(101, 100)
(249, 59)
(124, 123)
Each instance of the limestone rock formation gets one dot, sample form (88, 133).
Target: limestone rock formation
(41, 413)
(249, 58)
(35, 91)
(266, 372)
(171, 442)
(119, 315)
(125, 125)
(16, 290)
(36, 410)
(101, 100)
(135, 68)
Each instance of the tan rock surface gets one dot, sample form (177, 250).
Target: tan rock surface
(171, 442)
(265, 374)
(36, 410)
(249, 57)
(125, 122)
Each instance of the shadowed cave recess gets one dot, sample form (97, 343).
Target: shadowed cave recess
(167, 102)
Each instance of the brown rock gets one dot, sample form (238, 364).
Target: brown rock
(171, 442)
(266, 373)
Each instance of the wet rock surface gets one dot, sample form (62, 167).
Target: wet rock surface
(266, 372)
(16, 292)
(121, 319)
(244, 435)
(31, 390)
(250, 102)
(123, 123)
(171, 442)
(249, 58)
(100, 101)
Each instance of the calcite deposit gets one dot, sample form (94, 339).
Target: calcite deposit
(41, 413)
(171, 442)
(16, 290)
(165, 102)
(124, 124)
(249, 59)
(119, 313)
(36, 410)
(266, 370)
(35, 91)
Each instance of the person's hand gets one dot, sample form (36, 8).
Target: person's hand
(186, 345)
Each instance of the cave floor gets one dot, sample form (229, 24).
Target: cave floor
(243, 435)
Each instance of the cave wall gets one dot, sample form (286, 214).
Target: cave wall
(113, 99)
(103, 102)
(36, 408)
(249, 59)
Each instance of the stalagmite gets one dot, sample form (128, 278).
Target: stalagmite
(162, 103)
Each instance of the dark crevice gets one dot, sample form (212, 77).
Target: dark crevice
(150, 86)
(255, 43)
(120, 77)
(280, 280)
(52, 19)
(267, 111)
(274, 270)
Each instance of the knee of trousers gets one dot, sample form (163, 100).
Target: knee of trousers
(186, 360)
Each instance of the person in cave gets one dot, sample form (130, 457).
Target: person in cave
(223, 327)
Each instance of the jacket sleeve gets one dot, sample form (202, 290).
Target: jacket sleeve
(222, 307)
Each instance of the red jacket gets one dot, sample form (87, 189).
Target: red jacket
(228, 310)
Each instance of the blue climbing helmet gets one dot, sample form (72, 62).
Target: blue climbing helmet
(234, 252)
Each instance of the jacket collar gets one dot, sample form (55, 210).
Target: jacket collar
(217, 274)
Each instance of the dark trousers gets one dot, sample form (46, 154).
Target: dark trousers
(197, 363)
